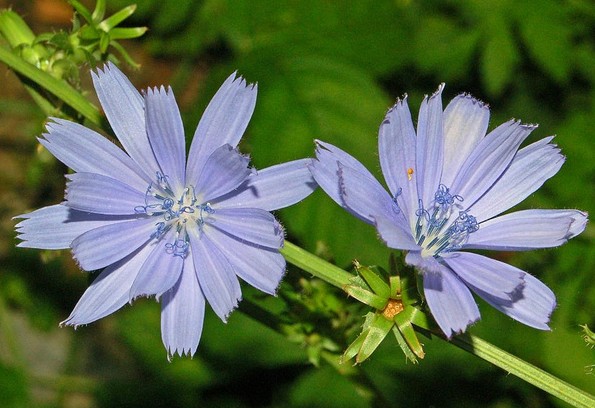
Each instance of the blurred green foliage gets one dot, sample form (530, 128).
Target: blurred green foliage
(328, 70)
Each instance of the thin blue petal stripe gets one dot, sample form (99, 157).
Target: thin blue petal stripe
(182, 314)
(272, 188)
(124, 107)
(95, 193)
(430, 146)
(84, 150)
(396, 146)
(465, 125)
(217, 127)
(216, 276)
(531, 167)
(252, 225)
(166, 134)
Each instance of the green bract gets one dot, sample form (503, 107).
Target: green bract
(396, 310)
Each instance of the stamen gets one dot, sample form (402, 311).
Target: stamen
(437, 226)
(175, 212)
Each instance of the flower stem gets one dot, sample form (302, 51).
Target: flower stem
(57, 87)
(472, 344)
(316, 266)
(524, 370)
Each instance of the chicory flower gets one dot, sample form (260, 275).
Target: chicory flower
(158, 224)
(448, 182)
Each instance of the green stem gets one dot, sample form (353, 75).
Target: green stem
(472, 344)
(57, 87)
(315, 265)
(525, 371)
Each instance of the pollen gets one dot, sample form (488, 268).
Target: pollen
(409, 173)
(393, 308)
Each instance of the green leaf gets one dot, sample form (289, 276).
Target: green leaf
(546, 31)
(99, 11)
(82, 10)
(127, 33)
(115, 19)
(499, 59)
(445, 49)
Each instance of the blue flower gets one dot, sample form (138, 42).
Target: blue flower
(448, 183)
(182, 230)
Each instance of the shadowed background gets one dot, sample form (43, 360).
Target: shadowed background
(325, 70)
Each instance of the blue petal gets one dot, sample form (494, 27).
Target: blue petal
(99, 194)
(56, 226)
(363, 197)
(182, 314)
(530, 168)
(124, 108)
(223, 122)
(367, 199)
(465, 124)
(450, 301)
(216, 275)
(109, 291)
(272, 188)
(166, 135)
(261, 267)
(105, 245)
(252, 225)
(84, 150)
(396, 147)
(489, 160)
(486, 274)
(325, 169)
(394, 234)
(430, 146)
(532, 305)
(223, 172)
(528, 229)
(160, 271)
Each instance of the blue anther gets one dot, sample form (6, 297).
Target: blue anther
(178, 248)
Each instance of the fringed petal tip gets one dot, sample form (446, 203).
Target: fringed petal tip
(467, 97)
(437, 92)
(181, 352)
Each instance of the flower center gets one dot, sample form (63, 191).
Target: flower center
(181, 212)
(444, 226)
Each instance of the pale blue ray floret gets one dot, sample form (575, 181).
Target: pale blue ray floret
(158, 224)
(448, 183)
